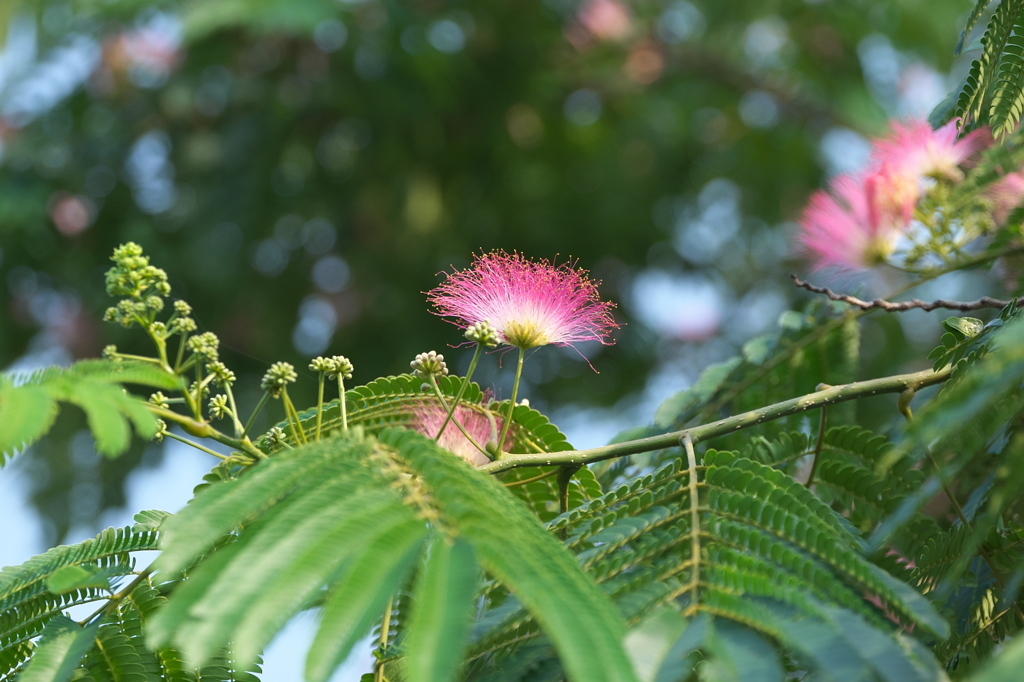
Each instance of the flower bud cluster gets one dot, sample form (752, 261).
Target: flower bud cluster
(333, 366)
(483, 333)
(278, 377)
(428, 365)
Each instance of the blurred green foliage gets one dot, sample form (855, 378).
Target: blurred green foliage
(305, 169)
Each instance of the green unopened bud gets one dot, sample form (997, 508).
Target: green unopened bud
(161, 430)
(483, 333)
(321, 364)
(184, 324)
(222, 376)
(278, 377)
(219, 408)
(110, 352)
(182, 308)
(205, 345)
(160, 400)
(342, 366)
(276, 437)
(429, 365)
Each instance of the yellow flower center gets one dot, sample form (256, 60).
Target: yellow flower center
(525, 335)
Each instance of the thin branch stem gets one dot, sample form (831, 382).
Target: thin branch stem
(256, 412)
(320, 405)
(462, 389)
(385, 631)
(116, 599)
(694, 583)
(500, 454)
(293, 418)
(900, 306)
(818, 445)
(203, 430)
(194, 444)
(344, 403)
(698, 434)
(444, 404)
(532, 479)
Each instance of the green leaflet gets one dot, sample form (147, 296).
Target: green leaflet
(442, 609)
(62, 646)
(27, 410)
(363, 593)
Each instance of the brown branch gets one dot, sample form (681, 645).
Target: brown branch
(914, 303)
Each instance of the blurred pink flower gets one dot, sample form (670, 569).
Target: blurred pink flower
(428, 418)
(915, 149)
(1006, 194)
(856, 225)
(530, 303)
(606, 19)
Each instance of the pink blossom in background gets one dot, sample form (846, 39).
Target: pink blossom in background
(1007, 193)
(856, 225)
(606, 19)
(429, 418)
(915, 149)
(530, 303)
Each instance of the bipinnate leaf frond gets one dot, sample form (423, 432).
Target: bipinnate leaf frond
(753, 549)
(353, 515)
(393, 401)
(28, 407)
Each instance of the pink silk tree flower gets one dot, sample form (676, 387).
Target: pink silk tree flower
(529, 303)
(1006, 194)
(916, 150)
(855, 226)
(484, 429)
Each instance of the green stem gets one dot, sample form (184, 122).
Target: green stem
(695, 558)
(116, 599)
(385, 631)
(444, 404)
(344, 403)
(500, 454)
(818, 446)
(181, 352)
(697, 434)
(256, 412)
(203, 430)
(532, 479)
(196, 445)
(320, 406)
(293, 418)
(239, 429)
(565, 475)
(462, 389)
